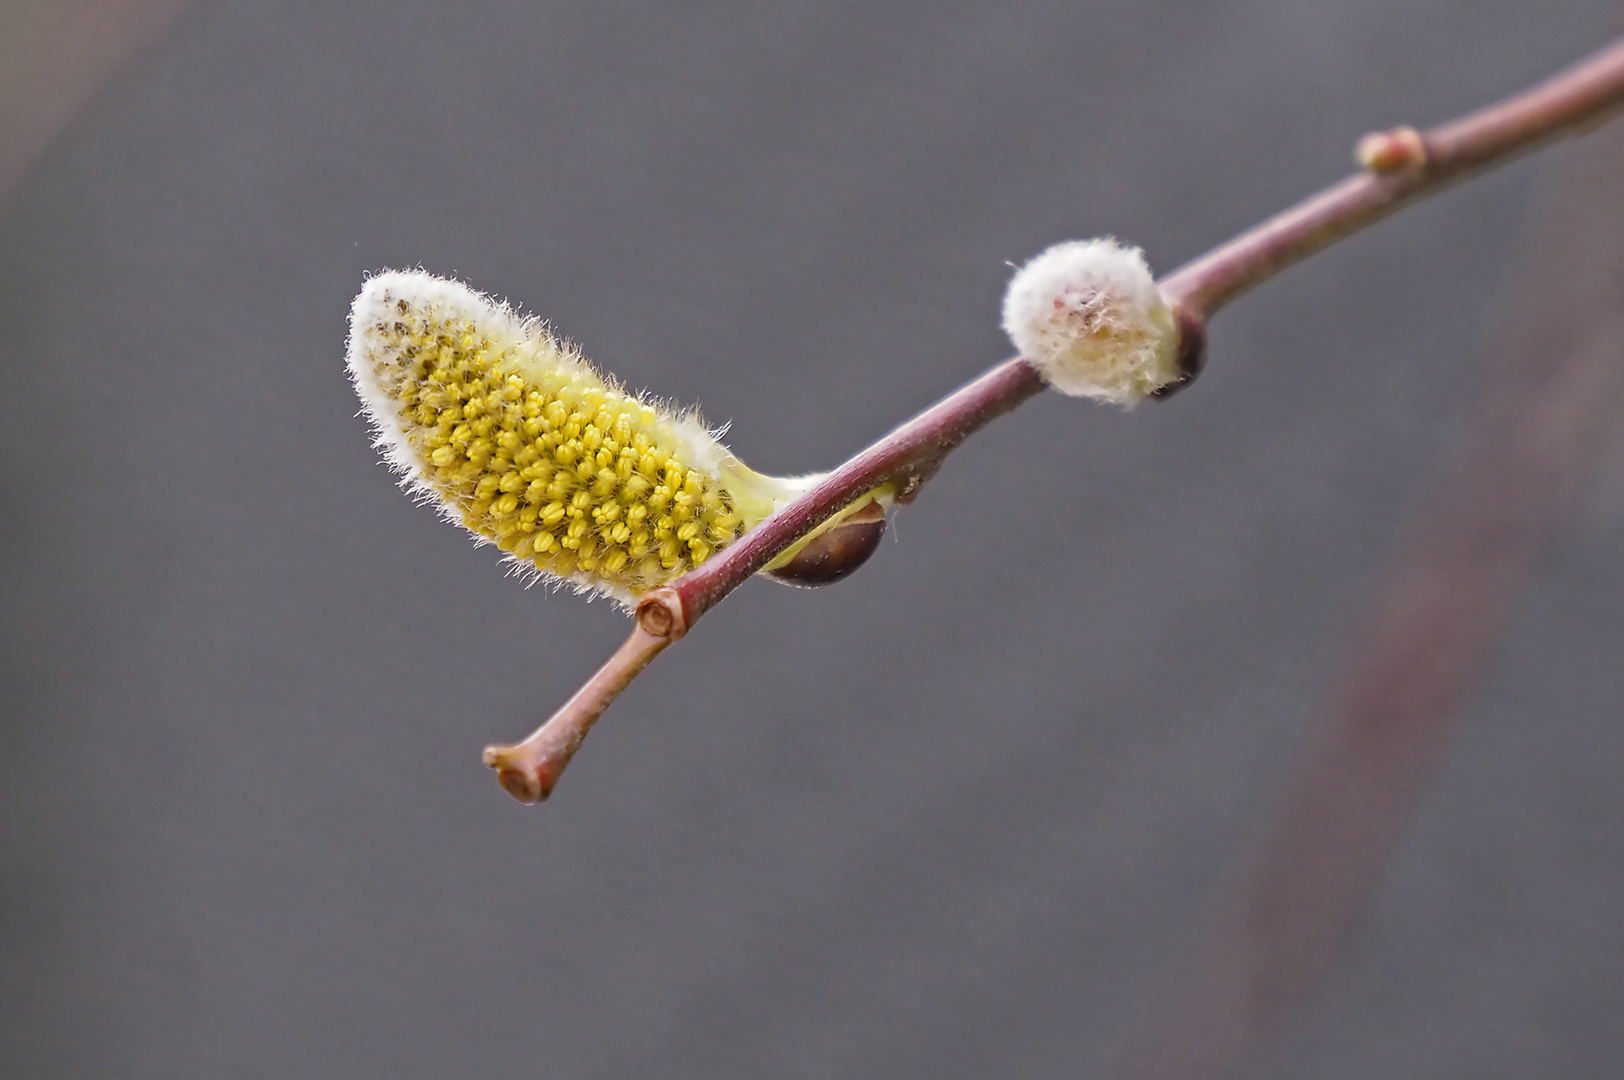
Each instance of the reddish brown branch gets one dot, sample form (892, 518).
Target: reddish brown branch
(1490, 136)
(1583, 95)
(1557, 380)
(528, 770)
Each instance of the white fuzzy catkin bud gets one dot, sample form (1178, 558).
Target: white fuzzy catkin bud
(1088, 315)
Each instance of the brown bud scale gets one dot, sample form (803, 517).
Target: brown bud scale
(1192, 355)
(836, 552)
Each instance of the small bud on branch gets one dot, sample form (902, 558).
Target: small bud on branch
(835, 551)
(1392, 151)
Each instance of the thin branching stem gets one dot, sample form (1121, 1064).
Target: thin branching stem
(1547, 405)
(1400, 167)
(1572, 100)
(1403, 166)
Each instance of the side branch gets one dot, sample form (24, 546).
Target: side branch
(528, 770)
(1551, 395)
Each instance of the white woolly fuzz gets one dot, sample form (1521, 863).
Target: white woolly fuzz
(509, 432)
(1088, 315)
(373, 360)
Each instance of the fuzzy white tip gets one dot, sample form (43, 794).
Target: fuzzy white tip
(512, 434)
(1088, 315)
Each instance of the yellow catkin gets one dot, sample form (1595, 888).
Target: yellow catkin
(517, 438)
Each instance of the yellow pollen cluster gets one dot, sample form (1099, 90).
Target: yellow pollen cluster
(528, 447)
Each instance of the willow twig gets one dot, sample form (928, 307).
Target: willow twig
(1554, 387)
(1399, 167)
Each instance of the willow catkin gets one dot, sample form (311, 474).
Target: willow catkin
(512, 434)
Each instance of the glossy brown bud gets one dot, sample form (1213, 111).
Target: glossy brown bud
(1192, 354)
(836, 552)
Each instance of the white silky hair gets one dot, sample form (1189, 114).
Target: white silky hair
(372, 359)
(1090, 318)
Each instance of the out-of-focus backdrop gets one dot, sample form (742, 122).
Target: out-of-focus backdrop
(963, 815)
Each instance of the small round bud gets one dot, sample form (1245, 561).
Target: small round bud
(836, 552)
(1088, 315)
(1398, 150)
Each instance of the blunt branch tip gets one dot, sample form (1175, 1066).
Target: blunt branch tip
(528, 781)
(526, 787)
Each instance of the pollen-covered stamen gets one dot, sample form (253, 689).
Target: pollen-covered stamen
(517, 438)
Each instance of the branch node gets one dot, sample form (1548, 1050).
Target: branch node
(1401, 149)
(660, 614)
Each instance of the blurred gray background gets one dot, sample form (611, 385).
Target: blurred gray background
(960, 816)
